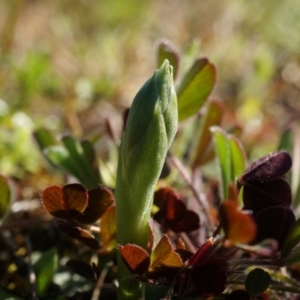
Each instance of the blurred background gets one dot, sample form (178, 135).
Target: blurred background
(71, 65)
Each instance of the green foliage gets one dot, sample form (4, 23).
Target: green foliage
(75, 157)
(45, 268)
(195, 87)
(230, 156)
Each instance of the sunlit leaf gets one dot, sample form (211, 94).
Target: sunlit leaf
(66, 202)
(222, 148)
(45, 269)
(162, 249)
(99, 199)
(257, 281)
(238, 226)
(238, 157)
(172, 260)
(212, 117)
(195, 88)
(135, 258)
(155, 233)
(108, 229)
(163, 255)
(167, 50)
(79, 234)
(275, 223)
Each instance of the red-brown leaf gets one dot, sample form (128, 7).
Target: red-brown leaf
(135, 258)
(238, 226)
(65, 203)
(99, 199)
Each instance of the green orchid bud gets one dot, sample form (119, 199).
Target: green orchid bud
(150, 130)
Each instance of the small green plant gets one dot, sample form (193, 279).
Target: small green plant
(158, 233)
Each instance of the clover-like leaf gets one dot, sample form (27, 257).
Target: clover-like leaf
(173, 213)
(275, 223)
(269, 167)
(211, 277)
(108, 229)
(66, 202)
(135, 258)
(79, 234)
(259, 195)
(163, 255)
(257, 281)
(238, 226)
(99, 199)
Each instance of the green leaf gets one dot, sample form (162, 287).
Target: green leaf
(44, 269)
(78, 158)
(238, 157)
(257, 282)
(212, 117)
(286, 141)
(5, 196)
(60, 157)
(91, 158)
(222, 148)
(291, 247)
(195, 88)
(44, 138)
